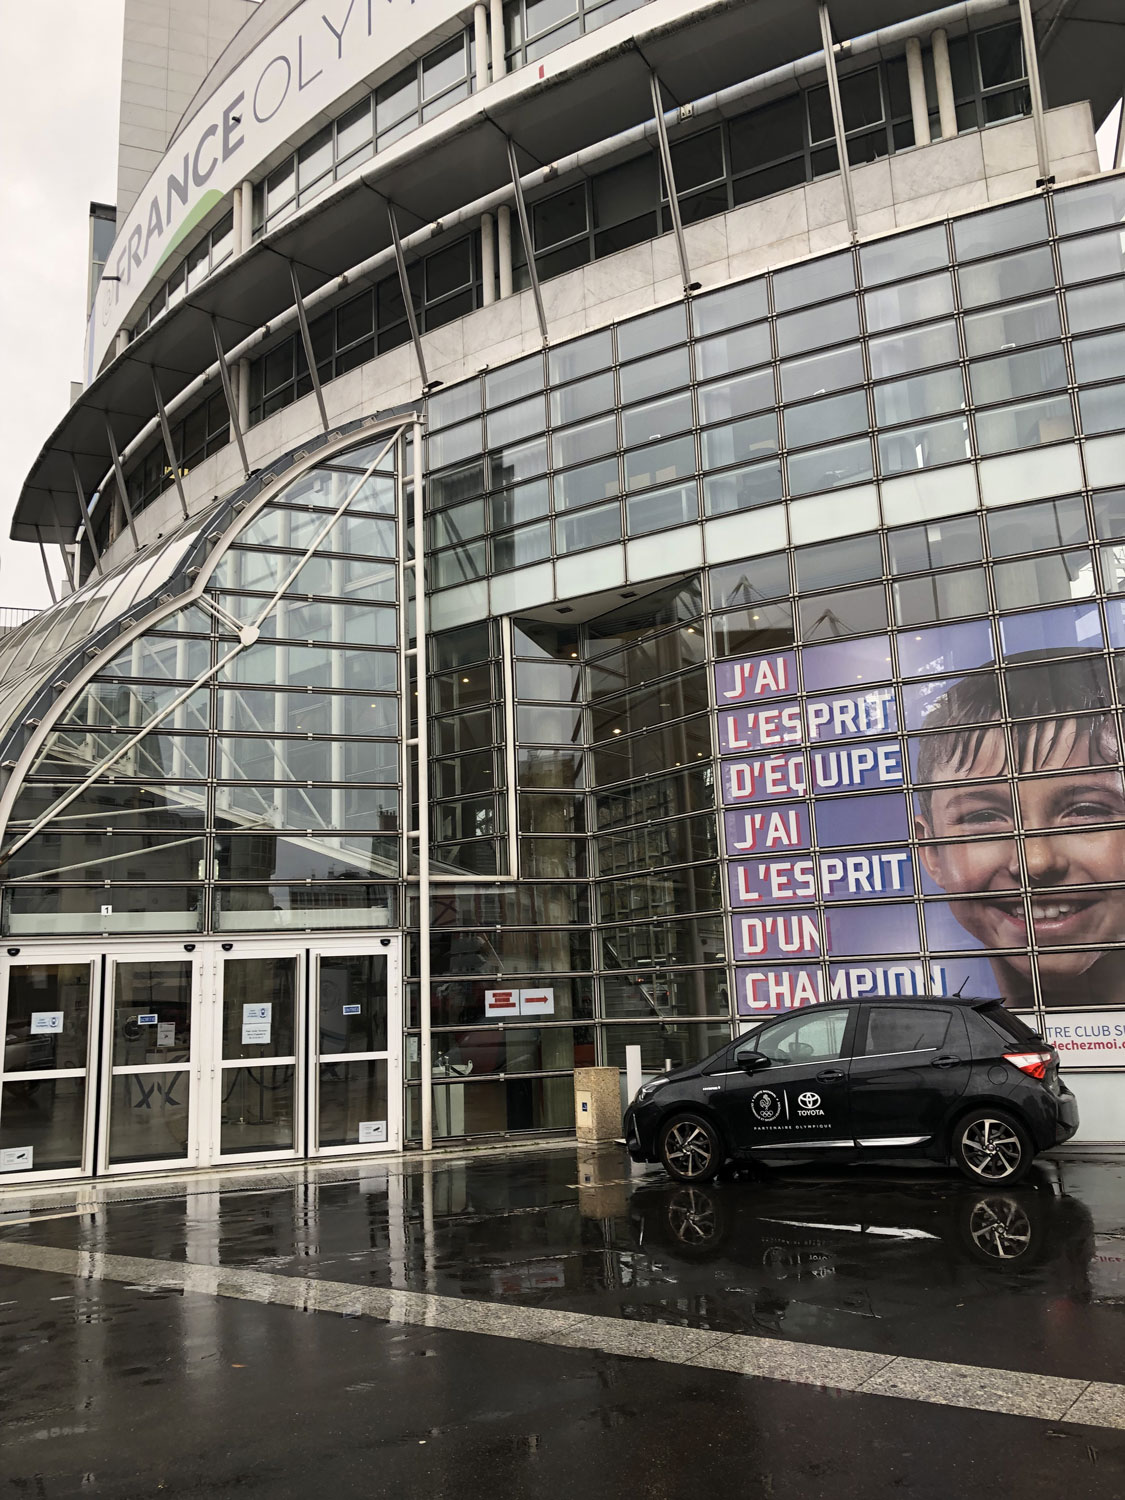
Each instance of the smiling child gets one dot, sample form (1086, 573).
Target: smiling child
(1063, 750)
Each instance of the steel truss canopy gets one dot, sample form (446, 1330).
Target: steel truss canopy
(463, 156)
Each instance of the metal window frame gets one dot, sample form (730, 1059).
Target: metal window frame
(247, 636)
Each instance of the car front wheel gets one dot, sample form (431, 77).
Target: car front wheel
(690, 1149)
(992, 1147)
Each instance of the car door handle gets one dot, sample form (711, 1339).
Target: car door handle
(830, 1075)
(945, 1062)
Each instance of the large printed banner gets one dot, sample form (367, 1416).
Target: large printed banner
(311, 58)
(1086, 1040)
(877, 842)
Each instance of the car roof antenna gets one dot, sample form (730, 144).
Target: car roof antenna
(960, 987)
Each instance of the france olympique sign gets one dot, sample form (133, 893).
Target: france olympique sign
(311, 58)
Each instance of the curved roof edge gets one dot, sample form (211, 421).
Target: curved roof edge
(81, 632)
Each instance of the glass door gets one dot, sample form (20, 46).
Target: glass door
(48, 1007)
(258, 1068)
(355, 1044)
(150, 1085)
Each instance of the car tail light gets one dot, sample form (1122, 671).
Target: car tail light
(1034, 1064)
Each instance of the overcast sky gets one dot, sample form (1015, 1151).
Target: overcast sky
(58, 138)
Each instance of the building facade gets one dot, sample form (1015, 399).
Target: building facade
(561, 565)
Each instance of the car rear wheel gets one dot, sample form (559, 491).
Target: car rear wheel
(690, 1149)
(991, 1147)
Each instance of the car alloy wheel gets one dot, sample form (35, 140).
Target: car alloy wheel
(991, 1149)
(690, 1150)
(1000, 1228)
(692, 1219)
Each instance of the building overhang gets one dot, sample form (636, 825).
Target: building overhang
(588, 91)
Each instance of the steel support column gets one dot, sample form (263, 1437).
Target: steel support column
(306, 340)
(404, 286)
(169, 446)
(119, 475)
(504, 249)
(425, 1049)
(228, 393)
(916, 82)
(838, 119)
(87, 520)
(487, 259)
(670, 183)
(480, 45)
(71, 576)
(46, 568)
(1031, 60)
(943, 81)
(528, 243)
(496, 30)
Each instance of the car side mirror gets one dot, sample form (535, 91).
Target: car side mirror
(752, 1062)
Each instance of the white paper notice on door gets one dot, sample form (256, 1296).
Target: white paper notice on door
(46, 1021)
(539, 1002)
(256, 1023)
(16, 1159)
(501, 1003)
(372, 1131)
(166, 1034)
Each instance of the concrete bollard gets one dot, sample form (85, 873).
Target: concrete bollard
(597, 1104)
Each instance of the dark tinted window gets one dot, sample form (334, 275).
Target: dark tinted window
(904, 1028)
(1010, 1026)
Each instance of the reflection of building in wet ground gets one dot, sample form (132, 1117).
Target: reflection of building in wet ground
(940, 1330)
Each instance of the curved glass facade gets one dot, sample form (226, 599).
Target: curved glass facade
(159, 794)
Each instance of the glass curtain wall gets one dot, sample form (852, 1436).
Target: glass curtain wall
(883, 756)
(844, 683)
(748, 157)
(615, 932)
(203, 783)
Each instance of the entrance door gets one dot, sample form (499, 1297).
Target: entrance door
(175, 1055)
(355, 1024)
(48, 1008)
(150, 1104)
(257, 1013)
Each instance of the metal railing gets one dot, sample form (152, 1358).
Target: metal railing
(12, 618)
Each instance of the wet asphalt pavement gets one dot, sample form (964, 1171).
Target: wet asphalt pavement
(125, 1388)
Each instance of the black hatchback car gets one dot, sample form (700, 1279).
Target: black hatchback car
(953, 1079)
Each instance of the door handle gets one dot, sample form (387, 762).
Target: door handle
(945, 1062)
(830, 1075)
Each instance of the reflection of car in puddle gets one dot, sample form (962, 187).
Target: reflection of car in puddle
(991, 1226)
(874, 1249)
(786, 1262)
(1001, 1227)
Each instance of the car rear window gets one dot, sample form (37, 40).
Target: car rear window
(904, 1028)
(1009, 1024)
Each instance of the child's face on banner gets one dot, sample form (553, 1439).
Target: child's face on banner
(1070, 845)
